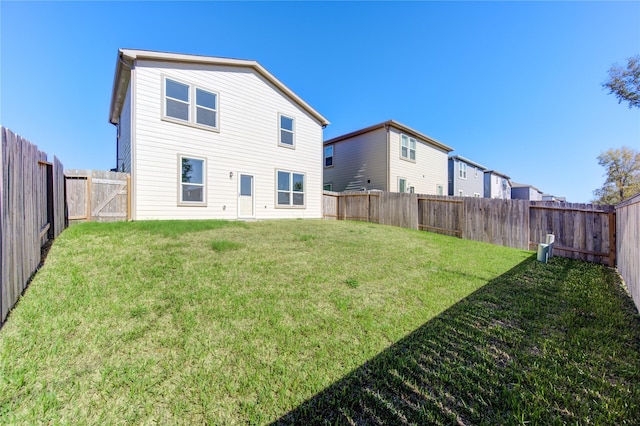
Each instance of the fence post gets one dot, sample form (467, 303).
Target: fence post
(612, 239)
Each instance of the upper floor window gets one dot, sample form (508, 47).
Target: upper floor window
(290, 191)
(287, 131)
(192, 181)
(408, 148)
(328, 156)
(462, 170)
(179, 105)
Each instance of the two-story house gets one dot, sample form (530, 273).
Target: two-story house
(466, 178)
(523, 191)
(388, 156)
(208, 137)
(497, 185)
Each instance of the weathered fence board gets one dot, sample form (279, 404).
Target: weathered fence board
(32, 213)
(96, 195)
(582, 231)
(628, 245)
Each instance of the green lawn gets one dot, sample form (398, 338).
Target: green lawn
(310, 322)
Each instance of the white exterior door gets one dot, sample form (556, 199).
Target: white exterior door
(246, 204)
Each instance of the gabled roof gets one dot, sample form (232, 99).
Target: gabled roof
(466, 160)
(495, 172)
(127, 57)
(524, 185)
(392, 123)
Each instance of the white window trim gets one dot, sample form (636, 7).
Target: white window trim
(305, 191)
(333, 152)
(415, 149)
(191, 122)
(462, 170)
(280, 129)
(204, 182)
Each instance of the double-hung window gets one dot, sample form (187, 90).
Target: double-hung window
(462, 171)
(287, 131)
(408, 148)
(328, 156)
(291, 189)
(192, 180)
(189, 104)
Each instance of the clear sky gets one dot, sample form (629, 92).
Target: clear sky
(514, 86)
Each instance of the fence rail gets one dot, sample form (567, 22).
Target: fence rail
(583, 231)
(33, 212)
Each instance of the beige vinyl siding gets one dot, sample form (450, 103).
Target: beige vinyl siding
(358, 160)
(247, 142)
(123, 162)
(429, 170)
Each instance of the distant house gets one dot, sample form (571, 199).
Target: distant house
(466, 177)
(207, 137)
(388, 156)
(497, 185)
(553, 198)
(521, 191)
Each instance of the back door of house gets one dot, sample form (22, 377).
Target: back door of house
(246, 205)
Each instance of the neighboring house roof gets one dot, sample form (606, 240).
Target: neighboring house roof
(524, 185)
(495, 172)
(126, 57)
(466, 160)
(397, 125)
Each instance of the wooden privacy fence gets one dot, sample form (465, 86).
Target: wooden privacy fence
(33, 212)
(628, 245)
(96, 195)
(583, 231)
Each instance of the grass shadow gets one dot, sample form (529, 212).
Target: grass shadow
(546, 344)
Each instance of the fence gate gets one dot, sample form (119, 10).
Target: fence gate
(95, 195)
(441, 215)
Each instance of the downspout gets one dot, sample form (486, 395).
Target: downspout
(386, 128)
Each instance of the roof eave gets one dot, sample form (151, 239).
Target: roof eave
(132, 55)
(397, 125)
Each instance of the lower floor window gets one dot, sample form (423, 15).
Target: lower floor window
(402, 185)
(290, 189)
(192, 178)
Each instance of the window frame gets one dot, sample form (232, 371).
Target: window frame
(281, 129)
(410, 142)
(192, 105)
(462, 170)
(290, 191)
(181, 202)
(400, 179)
(333, 150)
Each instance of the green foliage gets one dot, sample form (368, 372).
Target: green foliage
(624, 83)
(623, 175)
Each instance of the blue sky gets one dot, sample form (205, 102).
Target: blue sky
(515, 86)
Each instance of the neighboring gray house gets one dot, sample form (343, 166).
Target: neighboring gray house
(497, 185)
(388, 156)
(466, 178)
(549, 197)
(522, 191)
